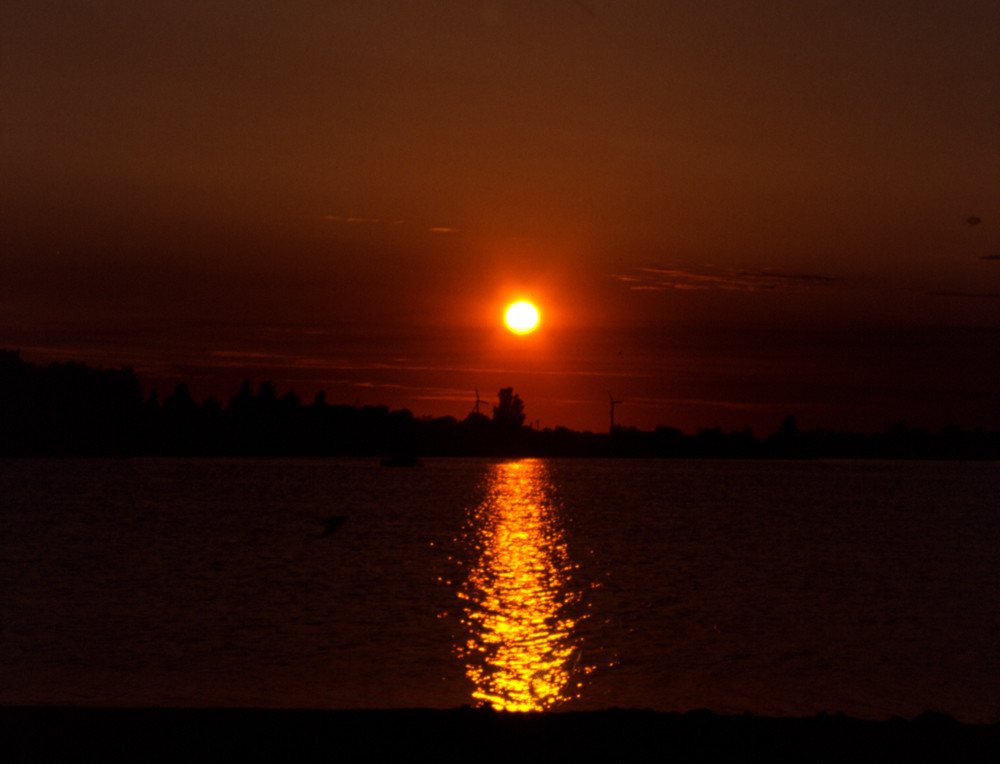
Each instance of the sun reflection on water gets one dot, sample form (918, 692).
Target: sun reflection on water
(519, 603)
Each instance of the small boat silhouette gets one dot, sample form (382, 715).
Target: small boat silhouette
(332, 524)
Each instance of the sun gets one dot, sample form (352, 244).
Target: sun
(521, 317)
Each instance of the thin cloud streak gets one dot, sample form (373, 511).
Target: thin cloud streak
(352, 219)
(359, 220)
(277, 361)
(670, 403)
(979, 295)
(663, 279)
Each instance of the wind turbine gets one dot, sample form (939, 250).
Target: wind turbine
(613, 404)
(478, 401)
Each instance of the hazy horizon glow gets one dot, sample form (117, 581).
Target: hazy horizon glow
(728, 213)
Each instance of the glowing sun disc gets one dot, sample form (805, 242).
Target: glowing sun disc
(521, 318)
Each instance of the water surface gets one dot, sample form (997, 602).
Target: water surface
(870, 588)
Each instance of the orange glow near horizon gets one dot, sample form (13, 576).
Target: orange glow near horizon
(521, 317)
(521, 653)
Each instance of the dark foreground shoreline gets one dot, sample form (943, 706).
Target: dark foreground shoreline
(38, 734)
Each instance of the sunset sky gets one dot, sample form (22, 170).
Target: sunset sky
(726, 212)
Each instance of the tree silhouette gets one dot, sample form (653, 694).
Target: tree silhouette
(510, 411)
(70, 409)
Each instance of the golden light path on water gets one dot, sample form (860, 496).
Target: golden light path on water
(520, 651)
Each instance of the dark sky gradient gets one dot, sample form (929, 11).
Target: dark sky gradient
(726, 212)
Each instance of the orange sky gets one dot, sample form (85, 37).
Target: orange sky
(727, 212)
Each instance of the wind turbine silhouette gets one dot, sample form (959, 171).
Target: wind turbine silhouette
(478, 401)
(613, 404)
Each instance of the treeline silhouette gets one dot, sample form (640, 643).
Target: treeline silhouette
(71, 409)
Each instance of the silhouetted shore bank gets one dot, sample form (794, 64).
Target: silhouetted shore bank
(72, 409)
(100, 734)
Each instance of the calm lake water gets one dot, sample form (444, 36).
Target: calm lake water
(781, 588)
